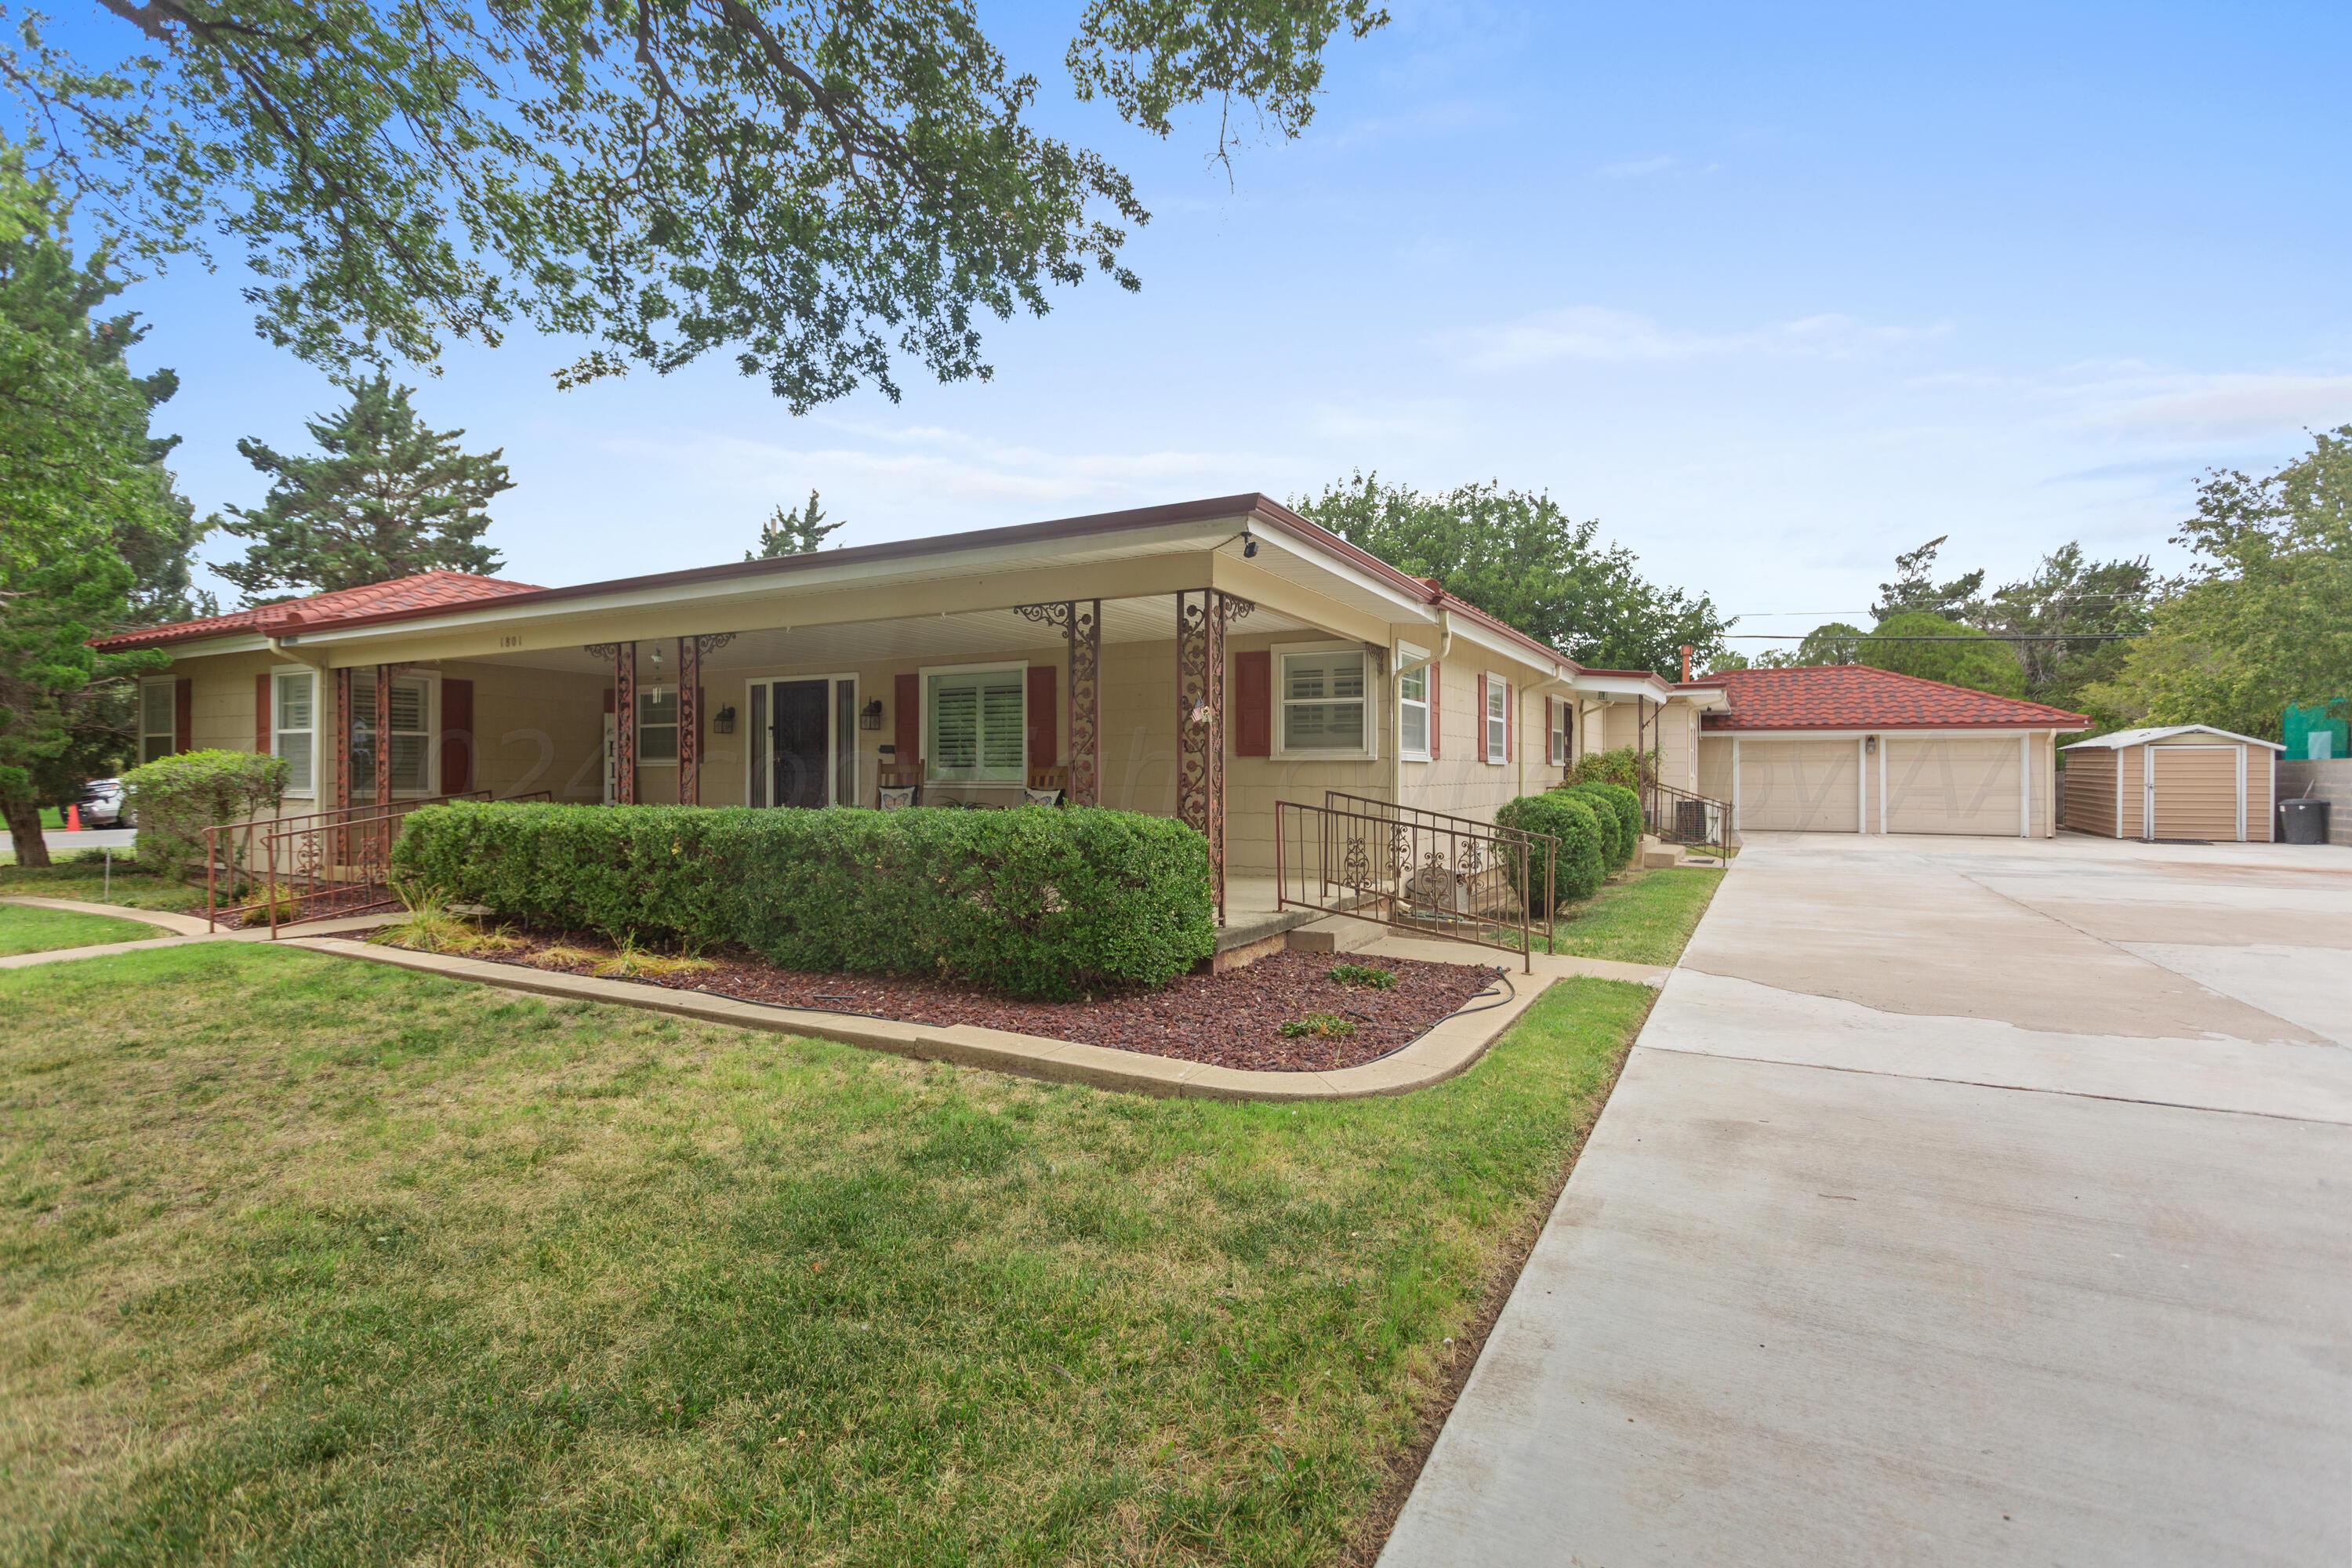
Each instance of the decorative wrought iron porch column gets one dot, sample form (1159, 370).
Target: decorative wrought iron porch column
(624, 656)
(1080, 623)
(691, 652)
(689, 720)
(380, 737)
(1201, 618)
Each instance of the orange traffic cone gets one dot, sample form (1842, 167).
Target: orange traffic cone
(73, 820)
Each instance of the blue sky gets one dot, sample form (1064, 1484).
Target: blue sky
(1773, 292)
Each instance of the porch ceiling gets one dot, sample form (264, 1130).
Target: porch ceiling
(975, 635)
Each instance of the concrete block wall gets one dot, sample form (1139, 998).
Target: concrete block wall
(2329, 780)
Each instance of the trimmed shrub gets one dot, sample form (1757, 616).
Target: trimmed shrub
(1622, 809)
(1625, 766)
(178, 797)
(1048, 904)
(1581, 864)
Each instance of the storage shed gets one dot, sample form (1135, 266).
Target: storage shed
(2178, 781)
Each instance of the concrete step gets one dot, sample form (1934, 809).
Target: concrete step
(1335, 934)
(1656, 856)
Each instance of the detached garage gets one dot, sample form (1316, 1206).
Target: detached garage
(2181, 781)
(1850, 749)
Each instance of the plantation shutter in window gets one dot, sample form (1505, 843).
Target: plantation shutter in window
(907, 694)
(409, 740)
(1253, 704)
(955, 725)
(1000, 720)
(457, 736)
(1044, 731)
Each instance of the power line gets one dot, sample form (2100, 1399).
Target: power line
(1980, 637)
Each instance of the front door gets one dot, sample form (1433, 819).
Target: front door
(800, 751)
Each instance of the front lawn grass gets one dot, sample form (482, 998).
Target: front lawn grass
(25, 930)
(88, 881)
(1644, 916)
(304, 1260)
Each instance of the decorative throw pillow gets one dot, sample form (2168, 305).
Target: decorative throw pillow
(1041, 797)
(901, 796)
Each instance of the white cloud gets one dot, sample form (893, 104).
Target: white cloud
(1413, 419)
(932, 463)
(1638, 168)
(1596, 334)
(2224, 405)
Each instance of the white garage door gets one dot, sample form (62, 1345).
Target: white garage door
(1952, 786)
(1797, 786)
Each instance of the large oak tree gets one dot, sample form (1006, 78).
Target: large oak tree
(816, 187)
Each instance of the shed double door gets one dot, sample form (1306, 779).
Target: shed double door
(2194, 792)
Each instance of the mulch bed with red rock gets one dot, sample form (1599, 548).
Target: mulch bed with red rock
(1233, 1020)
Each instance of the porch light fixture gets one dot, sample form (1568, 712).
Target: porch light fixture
(1249, 544)
(723, 721)
(657, 660)
(870, 716)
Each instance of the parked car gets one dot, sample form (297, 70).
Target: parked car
(102, 805)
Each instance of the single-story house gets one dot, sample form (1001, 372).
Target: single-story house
(1850, 749)
(2174, 781)
(1203, 660)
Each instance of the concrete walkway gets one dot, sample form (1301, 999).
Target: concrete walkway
(1964, 1200)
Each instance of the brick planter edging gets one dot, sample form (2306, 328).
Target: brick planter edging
(1448, 1049)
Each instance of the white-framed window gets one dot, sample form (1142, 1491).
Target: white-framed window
(658, 726)
(159, 728)
(975, 725)
(1325, 698)
(1412, 714)
(294, 727)
(1558, 708)
(407, 730)
(1498, 719)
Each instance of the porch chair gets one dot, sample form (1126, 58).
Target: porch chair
(897, 775)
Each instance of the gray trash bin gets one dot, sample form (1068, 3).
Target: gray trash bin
(2303, 821)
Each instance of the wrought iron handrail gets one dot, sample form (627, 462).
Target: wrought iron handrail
(1686, 816)
(1427, 872)
(346, 849)
(239, 839)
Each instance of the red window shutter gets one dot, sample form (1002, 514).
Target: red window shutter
(908, 696)
(263, 730)
(1044, 748)
(608, 699)
(1254, 703)
(1436, 710)
(457, 736)
(184, 715)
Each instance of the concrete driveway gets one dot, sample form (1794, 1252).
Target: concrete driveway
(1964, 1201)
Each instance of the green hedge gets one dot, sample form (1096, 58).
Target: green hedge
(1032, 902)
(178, 797)
(1579, 867)
(1624, 765)
(1621, 809)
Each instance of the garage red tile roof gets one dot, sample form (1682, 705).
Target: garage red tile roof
(1857, 697)
(426, 591)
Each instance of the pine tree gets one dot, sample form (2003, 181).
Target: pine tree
(86, 507)
(387, 497)
(790, 531)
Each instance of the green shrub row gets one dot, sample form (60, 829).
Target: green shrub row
(1619, 810)
(1034, 903)
(1579, 867)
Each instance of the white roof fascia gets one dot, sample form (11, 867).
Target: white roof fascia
(948, 564)
(2119, 739)
(1891, 732)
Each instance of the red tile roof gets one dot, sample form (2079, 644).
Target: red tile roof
(426, 591)
(1857, 697)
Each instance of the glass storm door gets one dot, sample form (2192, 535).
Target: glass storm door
(803, 740)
